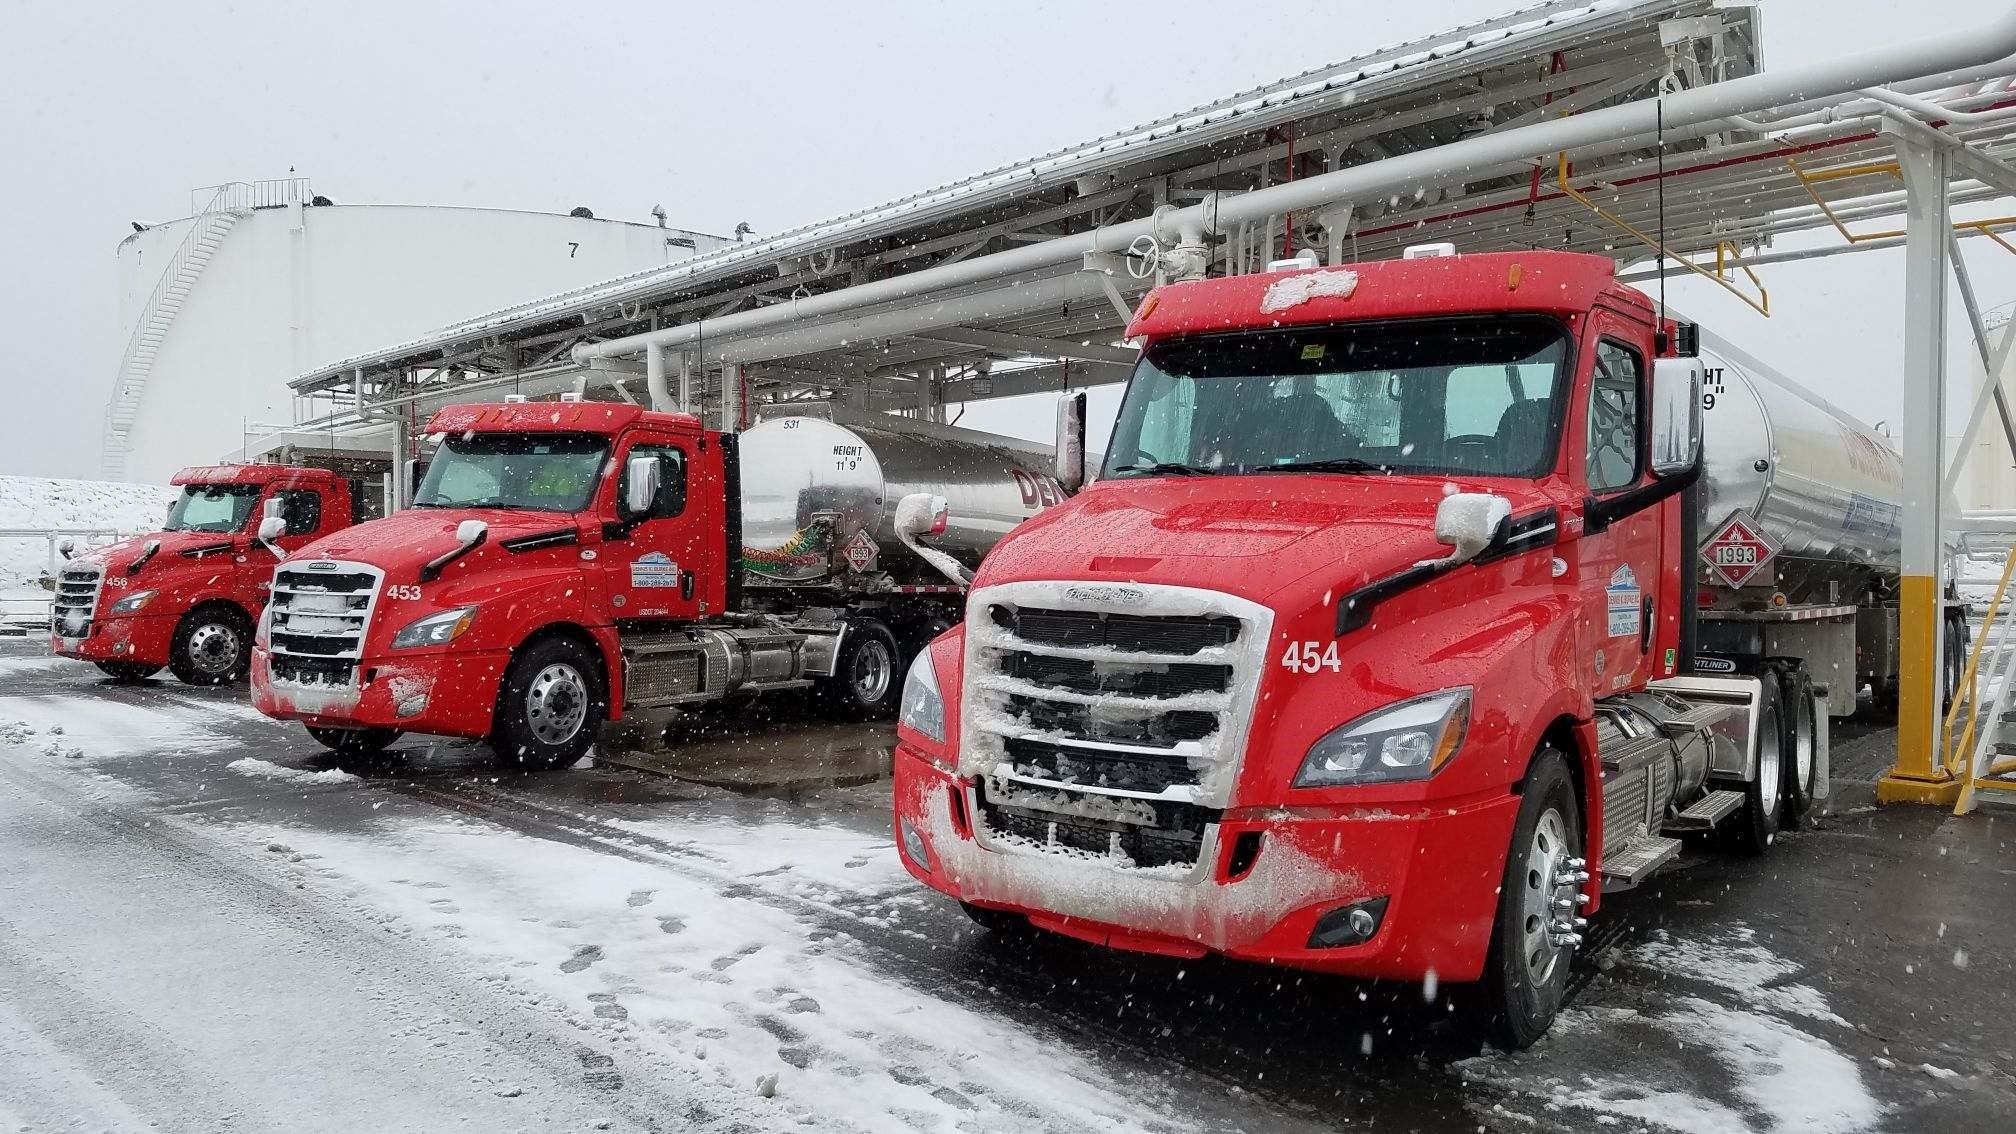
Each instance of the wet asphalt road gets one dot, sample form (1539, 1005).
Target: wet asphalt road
(1236, 1047)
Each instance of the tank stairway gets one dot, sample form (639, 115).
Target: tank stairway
(207, 230)
(1978, 741)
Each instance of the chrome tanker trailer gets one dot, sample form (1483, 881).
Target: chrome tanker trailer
(1796, 522)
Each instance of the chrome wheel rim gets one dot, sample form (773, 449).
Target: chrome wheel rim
(1549, 880)
(214, 648)
(874, 670)
(556, 704)
(1802, 746)
(1769, 765)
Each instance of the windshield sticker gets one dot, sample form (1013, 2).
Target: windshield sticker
(1624, 596)
(654, 570)
(1312, 351)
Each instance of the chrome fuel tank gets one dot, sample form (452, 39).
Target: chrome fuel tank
(1821, 484)
(813, 487)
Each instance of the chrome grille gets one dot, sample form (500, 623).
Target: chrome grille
(76, 603)
(317, 617)
(1113, 733)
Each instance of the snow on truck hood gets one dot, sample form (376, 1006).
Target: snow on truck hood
(1274, 527)
(420, 534)
(116, 556)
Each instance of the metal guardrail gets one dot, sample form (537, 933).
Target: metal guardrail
(238, 195)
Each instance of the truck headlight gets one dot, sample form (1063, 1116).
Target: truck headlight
(435, 629)
(131, 603)
(1407, 741)
(923, 706)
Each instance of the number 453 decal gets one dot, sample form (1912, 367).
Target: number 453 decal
(1310, 657)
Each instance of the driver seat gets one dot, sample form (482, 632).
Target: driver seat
(1522, 430)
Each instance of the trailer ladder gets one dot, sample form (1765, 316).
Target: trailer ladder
(1984, 756)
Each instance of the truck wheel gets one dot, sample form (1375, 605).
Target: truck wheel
(127, 672)
(1533, 938)
(212, 646)
(1799, 745)
(355, 741)
(866, 679)
(1755, 828)
(551, 705)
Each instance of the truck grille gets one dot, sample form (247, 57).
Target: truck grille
(77, 589)
(319, 614)
(1110, 733)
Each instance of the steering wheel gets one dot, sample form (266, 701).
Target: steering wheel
(1464, 448)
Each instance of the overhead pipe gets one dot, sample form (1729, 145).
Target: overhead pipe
(1992, 43)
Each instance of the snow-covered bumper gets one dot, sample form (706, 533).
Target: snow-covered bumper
(444, 694)
(140, 638)
(1277, 885)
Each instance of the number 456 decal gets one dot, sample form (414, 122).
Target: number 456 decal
(1310, 657)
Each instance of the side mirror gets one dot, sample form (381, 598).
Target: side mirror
(1676, 415)
(1070, 471)
(641, 480)
(922, 514)
(272, 528)
(415, 469)
(68, 548)
(471, 532)
(1469, 521)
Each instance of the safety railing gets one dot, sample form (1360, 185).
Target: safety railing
(236, 196)
(1812, 178)
(1726, 252)
(1970, 750)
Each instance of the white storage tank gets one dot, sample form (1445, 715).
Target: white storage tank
(219, 309)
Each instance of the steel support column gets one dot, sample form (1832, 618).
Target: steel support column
(1917, 776)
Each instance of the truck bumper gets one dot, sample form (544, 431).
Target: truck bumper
(1438, 868)
(142, 639)
(439, 694)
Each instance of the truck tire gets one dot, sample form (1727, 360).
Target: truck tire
(1755, 827)
(212, 646)
(355, 741)
(551, 705)
(1799, 742)
(127, 672)
(867, 676)
(1526, 972)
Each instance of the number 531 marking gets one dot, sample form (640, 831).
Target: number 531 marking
(1309, 657)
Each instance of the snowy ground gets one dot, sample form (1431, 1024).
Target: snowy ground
(40, 504)
(207, 924)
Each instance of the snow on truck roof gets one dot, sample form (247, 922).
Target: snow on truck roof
(1549, 282)
(1598, 29)
(553, 417)
(253, 474)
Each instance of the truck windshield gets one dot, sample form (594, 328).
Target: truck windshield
(212, 508)
(1471, 395)
(546, 472)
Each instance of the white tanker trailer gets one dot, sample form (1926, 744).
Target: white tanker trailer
(1796, 518)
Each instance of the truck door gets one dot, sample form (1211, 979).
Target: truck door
(1620, 566)
(650, 563)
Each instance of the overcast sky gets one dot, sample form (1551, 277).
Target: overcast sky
(775, 114)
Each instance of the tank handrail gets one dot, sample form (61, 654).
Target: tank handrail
(1964, 694)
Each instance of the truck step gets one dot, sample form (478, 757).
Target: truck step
(1636, 860)
(1704, 813)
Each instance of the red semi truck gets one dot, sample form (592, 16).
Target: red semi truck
(1370, 650)
(187, 597)
(567, 563)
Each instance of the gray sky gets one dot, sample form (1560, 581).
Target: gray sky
(774, 113)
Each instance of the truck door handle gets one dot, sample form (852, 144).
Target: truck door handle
(685, 584)
(1645, 627)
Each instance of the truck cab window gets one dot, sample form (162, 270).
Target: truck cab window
(301, 508)
(544, 472)
(1613, 417)
(212, 508)
(1475, 395)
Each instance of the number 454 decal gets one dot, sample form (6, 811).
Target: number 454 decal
(1310, 657)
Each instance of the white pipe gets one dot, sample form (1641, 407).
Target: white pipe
(1934, 112)
(1993, 43)
(654, 378)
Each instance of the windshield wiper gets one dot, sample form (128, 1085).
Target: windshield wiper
(1327, 464)
(1165, 468)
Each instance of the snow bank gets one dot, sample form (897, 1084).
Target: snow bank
(266, 769)
(42, 503)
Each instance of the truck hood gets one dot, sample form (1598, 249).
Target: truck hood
(411, 538)
(116, 557)
(1249, 536)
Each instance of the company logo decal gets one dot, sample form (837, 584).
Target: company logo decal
(1624, 597)
(1112, 596)
(655, 569)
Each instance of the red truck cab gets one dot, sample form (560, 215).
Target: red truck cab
(187, 597)
(519, 561)
(1240, 697)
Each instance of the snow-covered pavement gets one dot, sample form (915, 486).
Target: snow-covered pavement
(206, 924)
